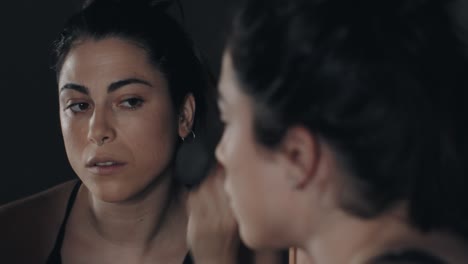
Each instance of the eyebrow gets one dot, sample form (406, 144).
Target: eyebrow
(416, 256)
(112, 87)
(72, 86)
(119, 84)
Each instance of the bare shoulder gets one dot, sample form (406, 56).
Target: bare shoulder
(29, 226)
(40, 205)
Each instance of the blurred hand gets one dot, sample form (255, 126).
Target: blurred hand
(212, 234)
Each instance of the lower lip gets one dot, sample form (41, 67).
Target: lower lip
(106, 170)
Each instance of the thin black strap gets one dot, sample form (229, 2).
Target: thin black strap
(188, 259)
(55, 256)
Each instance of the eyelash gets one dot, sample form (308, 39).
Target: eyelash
(71, 106)
(137, 103)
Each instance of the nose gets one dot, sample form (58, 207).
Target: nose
(101, 130)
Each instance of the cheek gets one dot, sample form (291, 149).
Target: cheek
(74, 132)
(224, 152)
(232, 154)
(229, 157)
(242, 166)
(64, 123)
(152, 136)
(233, 148)
(151, 141)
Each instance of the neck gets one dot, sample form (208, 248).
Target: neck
(140, 222)
(355, 238)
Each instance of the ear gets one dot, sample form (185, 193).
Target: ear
(300, 151)
(187, 116)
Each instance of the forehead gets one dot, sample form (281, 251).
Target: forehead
(109, 56)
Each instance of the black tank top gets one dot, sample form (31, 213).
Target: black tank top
(55, 256)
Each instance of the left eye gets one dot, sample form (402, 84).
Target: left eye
(132, 103)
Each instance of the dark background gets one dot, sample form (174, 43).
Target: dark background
(33, 156)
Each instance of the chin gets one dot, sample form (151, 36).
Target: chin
(111, 196)
(111, 192)
(262, 236)
(114, 198)
(255, 238)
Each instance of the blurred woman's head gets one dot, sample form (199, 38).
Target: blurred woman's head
(357, 105)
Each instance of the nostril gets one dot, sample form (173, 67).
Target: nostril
(103, 140)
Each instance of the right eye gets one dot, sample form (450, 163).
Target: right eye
(78, 107)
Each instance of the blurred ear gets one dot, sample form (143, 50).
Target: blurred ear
(187, 116)
(300, 152)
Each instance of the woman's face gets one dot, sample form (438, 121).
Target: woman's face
(117, 117)
(255, 181)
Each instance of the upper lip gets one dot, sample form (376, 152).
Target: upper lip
(94, 160)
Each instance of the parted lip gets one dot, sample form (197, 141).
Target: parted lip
(93, 161)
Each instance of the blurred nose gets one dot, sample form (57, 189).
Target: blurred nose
(219, 152)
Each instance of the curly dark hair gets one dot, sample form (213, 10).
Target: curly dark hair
(382, 82)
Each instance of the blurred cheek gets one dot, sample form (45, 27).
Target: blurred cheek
(227, 186)
(219, 151)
